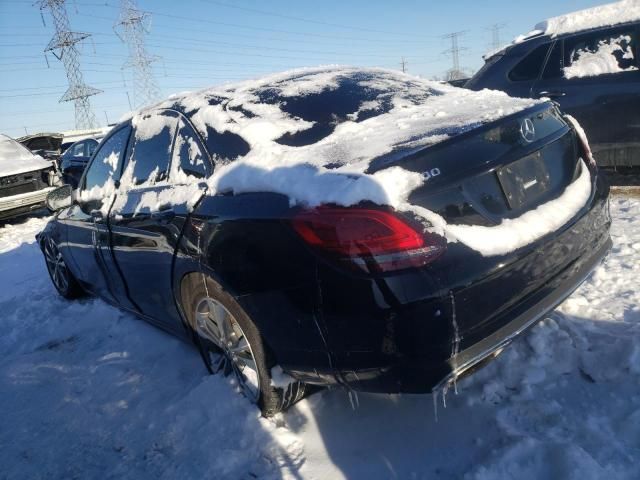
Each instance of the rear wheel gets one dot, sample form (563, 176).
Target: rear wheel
(62, 278)
(231, 344)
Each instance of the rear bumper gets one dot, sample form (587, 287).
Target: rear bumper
(410, 374)
(397, 334)
(23, 203)
(525, 316)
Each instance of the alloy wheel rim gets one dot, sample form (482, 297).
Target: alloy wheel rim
(233, 353)
(56, 266)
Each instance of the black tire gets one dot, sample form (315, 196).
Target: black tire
(271, 399)
(61, 277)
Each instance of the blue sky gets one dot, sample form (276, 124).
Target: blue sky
(205, 42)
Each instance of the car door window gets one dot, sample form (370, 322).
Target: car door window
(601, 53)
(529, 68)
(149, 158)
(189, 158)
(91, 147)
(106, 162)
(78, 150)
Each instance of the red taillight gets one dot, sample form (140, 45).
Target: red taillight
(371, 240)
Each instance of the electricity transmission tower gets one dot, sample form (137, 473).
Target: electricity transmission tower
(495, 35)
(63, 47)
(131, 27)
(403, 65)
(455, 73)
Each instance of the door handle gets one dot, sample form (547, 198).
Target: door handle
(96, 215)
(166, 214)
(553, 94)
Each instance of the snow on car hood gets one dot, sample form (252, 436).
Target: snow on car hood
(399, 111)
(15, 158)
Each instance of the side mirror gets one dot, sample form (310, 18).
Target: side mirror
(59, 198)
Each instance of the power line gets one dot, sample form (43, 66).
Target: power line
(252, 27)
(307, 20)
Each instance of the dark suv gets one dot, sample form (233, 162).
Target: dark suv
(593, 74)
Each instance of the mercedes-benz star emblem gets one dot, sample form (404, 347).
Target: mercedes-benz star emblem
(527, 130)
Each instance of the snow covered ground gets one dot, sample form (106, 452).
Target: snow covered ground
(87, 391)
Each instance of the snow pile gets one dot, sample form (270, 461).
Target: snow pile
(90, 392)
(15, 158)
(602, 16)
(603, 60)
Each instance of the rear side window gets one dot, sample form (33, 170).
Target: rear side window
(553, 67)
(78, 150)
(530, 66)
(151, 150)
(601, 53)
(188, 156)
(91, 147)
(107, 160)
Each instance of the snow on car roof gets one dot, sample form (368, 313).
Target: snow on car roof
(339, 116)
(312, 134)
(617, 13)
(326, 125)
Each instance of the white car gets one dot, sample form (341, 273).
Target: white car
(25, 179)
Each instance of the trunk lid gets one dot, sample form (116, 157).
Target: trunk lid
(496, 171)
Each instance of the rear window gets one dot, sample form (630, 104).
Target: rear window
(331, 107)
(355, 97)
(529, 68)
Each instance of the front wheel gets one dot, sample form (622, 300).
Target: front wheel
(230, 343)
(64, 281)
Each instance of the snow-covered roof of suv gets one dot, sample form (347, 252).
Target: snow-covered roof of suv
(607, 15)
(624, 11)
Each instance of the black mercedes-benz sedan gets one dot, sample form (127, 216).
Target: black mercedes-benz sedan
(335, 226)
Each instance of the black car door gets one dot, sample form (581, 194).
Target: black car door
(87, 229)
(595, 77)
(160, 185)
